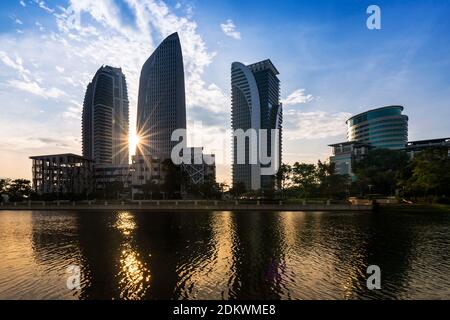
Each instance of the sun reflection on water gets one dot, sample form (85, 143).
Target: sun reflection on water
(134, 275)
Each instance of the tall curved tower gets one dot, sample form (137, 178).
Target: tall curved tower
(161, 100)
(105, 118)
(255, 104)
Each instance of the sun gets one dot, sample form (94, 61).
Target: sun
(133, 141)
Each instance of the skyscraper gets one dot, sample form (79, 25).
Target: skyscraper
(255, 92)
(161, 100)
(105, 118)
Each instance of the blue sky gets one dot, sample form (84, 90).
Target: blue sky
(331, 66)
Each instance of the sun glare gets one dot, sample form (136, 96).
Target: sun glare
(133, 142)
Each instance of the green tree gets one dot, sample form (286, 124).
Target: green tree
(331, 184)
(284, 175)
(428, 175)
(304, 177)
(379, 171)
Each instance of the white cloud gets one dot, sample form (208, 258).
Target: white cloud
(73, 53)
(34, 88)
(22, 3)
(44, 6)
(297, 97)
(313, 125)
(229, 28)
(18, 21)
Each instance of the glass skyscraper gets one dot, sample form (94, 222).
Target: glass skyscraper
(255, 93)
(161, 100)
(384, 127)
(105, 118)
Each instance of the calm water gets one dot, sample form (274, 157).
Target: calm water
(223, 255)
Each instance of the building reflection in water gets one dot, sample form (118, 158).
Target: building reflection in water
(206, 268)
(223, 255)
(133, 275)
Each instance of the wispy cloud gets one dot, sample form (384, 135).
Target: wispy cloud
(34, 88)
(314, 124)
(229, 28)
(297, 97)
(103, 38)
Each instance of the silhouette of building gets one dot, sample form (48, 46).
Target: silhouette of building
(161, 100)
(105, 119)
(62, 174)
(255, 92)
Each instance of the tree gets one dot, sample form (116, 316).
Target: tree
(304, 178)
(4, 183)
(238, 189)
(427, 175)
(151, 189)
(379, 171)
(19, 189)
(331, 184)
(284, 175)
(113, 189)
(174, 179)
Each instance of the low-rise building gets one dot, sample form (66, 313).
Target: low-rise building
(344, 154)
(108, 173)
(414, 147)
(62, 174)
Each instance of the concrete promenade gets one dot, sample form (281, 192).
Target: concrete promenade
(181, 205)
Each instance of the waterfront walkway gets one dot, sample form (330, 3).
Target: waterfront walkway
(182, 205)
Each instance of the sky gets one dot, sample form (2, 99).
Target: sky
(331, 66)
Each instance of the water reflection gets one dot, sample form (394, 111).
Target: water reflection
(134, 276)
(223, 255)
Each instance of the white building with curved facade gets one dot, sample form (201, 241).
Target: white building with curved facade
(255, 100)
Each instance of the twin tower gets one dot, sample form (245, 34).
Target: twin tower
(162, 109)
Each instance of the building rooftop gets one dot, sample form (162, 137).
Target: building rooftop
(429, 141)
(376, 109)
(60, 155)
(347, 143)
(262, 65)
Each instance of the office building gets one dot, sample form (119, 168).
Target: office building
(161, 99)
(105, 118)
(255, 94)
(384, 127)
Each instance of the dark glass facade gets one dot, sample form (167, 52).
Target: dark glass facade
(161, 100)
(384, 127)
(105, 118)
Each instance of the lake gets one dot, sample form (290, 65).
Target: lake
(223, 255)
